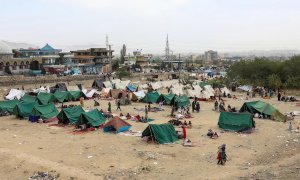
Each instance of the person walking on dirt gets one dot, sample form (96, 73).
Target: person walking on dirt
(109, 107)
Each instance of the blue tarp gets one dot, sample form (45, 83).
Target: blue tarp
(131, 87)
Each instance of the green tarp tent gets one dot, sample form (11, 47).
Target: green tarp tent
(62, 96)
(236, 121)
(92, 118)
(262, 108)
(182, 101)
(45, 98)
(161, 133)
(8, 105)
(75, 94)
(45, 111)
(202, 84)
(24, 109)
(69, 115)
(167, 98)
(28, 98)
(151, 97)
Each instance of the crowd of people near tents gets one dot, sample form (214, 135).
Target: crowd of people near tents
(39, 104)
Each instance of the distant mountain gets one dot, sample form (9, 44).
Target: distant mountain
(266, 53)
(14, 45)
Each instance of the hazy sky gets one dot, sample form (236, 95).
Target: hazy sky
(192, 25)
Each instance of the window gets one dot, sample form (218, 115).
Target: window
(22, 65)
(27, 65)
(1, 66)
(15, 66)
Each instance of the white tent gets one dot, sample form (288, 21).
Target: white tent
(114, 81)
(42, 89)
(140, 94)
(15, 94)
(73, 88)
(168, 83)
(226, 90)
(143, 86)
(205, 95)
(177, 89)
(209, 90)
(122, 85)
(193, 93)
(245, 88)
(89, 93)
(107, 84)
(156, 85)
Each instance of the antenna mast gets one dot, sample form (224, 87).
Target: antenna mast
(107, 44)
(167, 50)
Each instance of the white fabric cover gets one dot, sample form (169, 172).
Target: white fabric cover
(15, 94)
(89, 93)
(226, 90)
(140, 94)
(156, 85)
(107, 84)
(122, 85)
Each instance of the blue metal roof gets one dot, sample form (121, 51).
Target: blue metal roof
(47, 47)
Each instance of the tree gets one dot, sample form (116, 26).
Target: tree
(115, 65)
(123, 54)
(122, 72)
(293, 82)
(274, 81)
(7, 70)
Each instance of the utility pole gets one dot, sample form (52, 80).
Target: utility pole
(179, 67)
(110, 58)
(107, 44)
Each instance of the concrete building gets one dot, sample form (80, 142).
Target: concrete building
(93, 60)
(13, 64)
(210, 56)
(47, 55)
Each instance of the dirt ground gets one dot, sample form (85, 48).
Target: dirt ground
(270, 152)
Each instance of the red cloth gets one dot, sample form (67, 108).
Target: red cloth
(184, 132)
(219, 156)
(138, 117)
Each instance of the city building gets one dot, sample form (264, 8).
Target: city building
(47, 55)
(210, 56)
(93, 60)
(10, 64)
(142, 60)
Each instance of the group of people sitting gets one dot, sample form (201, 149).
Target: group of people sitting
(4, 113)
(68, 106)
(220, 106)
(288, 99)
(177, 122)
(212, 134)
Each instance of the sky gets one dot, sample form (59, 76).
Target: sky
(192, 25)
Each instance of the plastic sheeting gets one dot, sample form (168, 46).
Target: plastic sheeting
(89, 93)
(15, 94)
(245, 88)
(140, 94)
